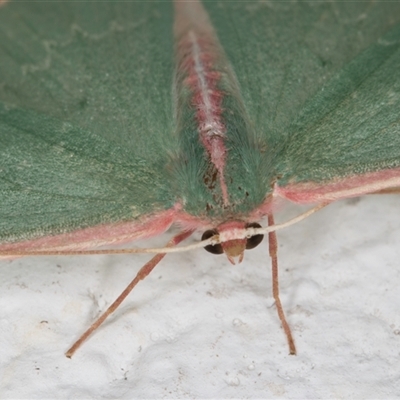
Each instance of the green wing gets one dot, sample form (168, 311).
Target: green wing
(85, 105)
(86, 113)
(321, 83)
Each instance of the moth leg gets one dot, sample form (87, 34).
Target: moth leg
(273, 253)
(143, 272)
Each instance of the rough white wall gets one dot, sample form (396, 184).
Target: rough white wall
(201, 328)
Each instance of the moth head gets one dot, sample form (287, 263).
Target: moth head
(232, 246)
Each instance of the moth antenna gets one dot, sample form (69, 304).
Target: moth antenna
(295, 220)
(246, 233)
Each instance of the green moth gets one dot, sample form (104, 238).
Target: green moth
(121, 119)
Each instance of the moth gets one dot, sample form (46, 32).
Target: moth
(120, 120)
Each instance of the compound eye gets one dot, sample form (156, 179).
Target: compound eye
(254, 241)
(214, 249)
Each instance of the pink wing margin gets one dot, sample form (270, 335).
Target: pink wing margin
(310, 192)
(97, 236)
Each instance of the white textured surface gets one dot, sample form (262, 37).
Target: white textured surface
(201, 328)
